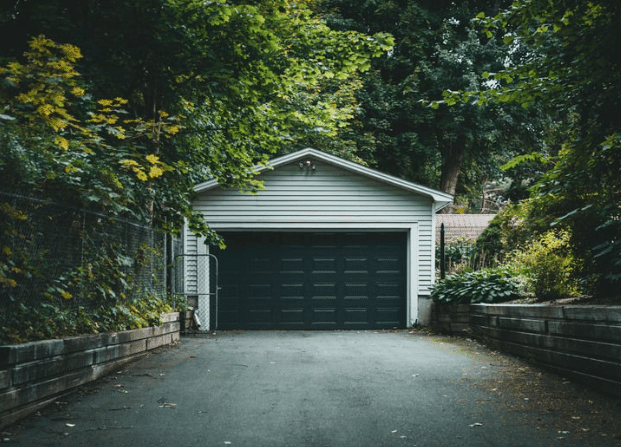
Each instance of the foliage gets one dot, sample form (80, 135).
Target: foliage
(462, 255)
(492, 285)
(52, 319)
(103, 292)
(454, 149)
(65, 271)
(211, 88)
(547, 266)
(489, 243)
(57, 141)
(570, 68)
(250, 78)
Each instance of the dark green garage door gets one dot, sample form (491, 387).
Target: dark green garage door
(312, 281)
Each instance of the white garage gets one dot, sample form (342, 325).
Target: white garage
(329, 244)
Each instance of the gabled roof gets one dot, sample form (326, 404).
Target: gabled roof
(440, 199)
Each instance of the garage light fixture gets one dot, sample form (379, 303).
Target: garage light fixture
(308, 165)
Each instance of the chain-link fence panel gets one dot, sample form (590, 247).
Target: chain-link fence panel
(195, 278)
(56, 260)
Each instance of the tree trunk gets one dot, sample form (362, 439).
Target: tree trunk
(452, 161)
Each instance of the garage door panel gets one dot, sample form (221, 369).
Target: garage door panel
(356, 318)
(231, 316)
(324, 316)
(313, 280)
(389, 290)
(260, 292)
(260, 317)
(292, 265)
(259, 265)
(324, 265)
(356, 292)
(292, 291)
(357, 265)
(292, 317)
(323, 291)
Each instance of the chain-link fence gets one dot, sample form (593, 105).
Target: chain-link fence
(194, 277)
(56, 260)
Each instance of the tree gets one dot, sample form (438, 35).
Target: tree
(244, 75)
(436, 48)
(61, 143)
(572, 69)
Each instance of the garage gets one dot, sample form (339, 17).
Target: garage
(327, 244)
(319, 280)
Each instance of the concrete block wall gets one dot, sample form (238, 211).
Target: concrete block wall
(579, 342)
(34, 374)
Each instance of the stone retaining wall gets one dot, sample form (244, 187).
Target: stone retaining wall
(579, 342)
(34, 374)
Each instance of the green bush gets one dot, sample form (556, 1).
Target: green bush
(547, 266)
(50, 320)
(489, 244)
(458, 255)
(492, 285)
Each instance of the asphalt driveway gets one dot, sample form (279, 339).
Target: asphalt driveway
(315, 389)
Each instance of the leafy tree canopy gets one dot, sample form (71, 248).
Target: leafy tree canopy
(571, 68)
(436, 48)
(245, 77)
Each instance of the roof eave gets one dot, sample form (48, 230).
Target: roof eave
(439, 198)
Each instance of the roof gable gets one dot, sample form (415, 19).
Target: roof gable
(440, 199)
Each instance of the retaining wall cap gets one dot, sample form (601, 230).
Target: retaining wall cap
(608, 314)
(27, 352)
(598, 313)
(36, 350)
(171, 317)
(523, 310)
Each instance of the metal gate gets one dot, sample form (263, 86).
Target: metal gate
(195, 279)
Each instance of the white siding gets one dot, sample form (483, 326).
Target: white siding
(325, 198)
(190, 248)
(197, 284)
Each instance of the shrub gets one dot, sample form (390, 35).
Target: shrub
(492, 285)
(458, 255)
(547, 266)
(489, 243)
